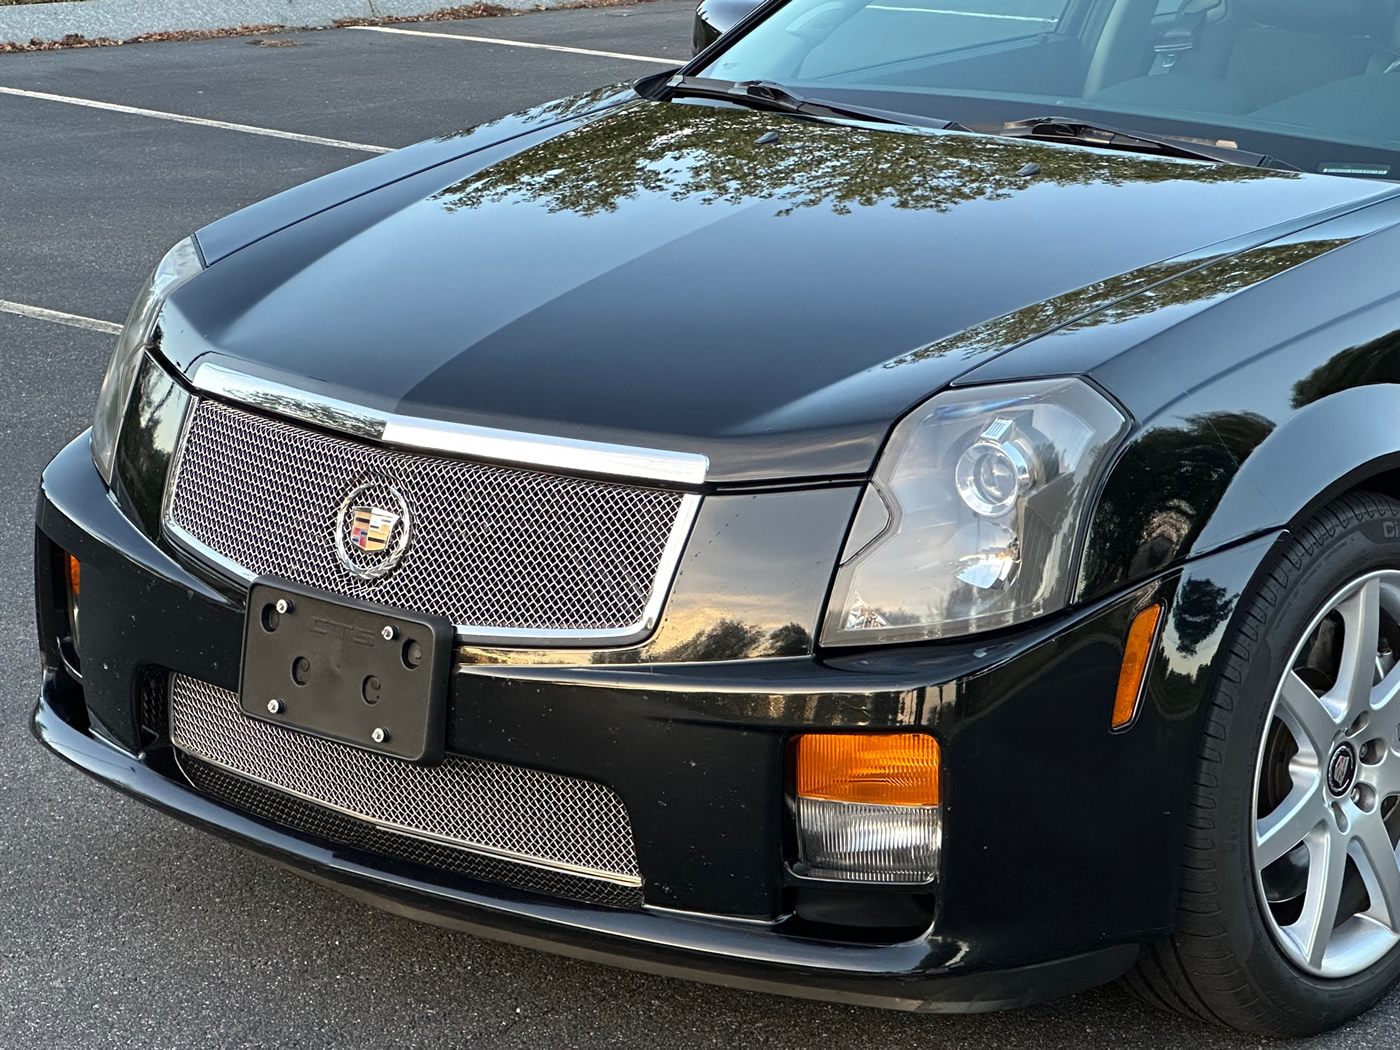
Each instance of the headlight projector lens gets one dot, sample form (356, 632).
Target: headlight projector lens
(994, 472)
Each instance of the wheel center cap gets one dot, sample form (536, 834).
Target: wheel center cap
(1341, 770)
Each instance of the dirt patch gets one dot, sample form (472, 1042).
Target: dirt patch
(481, 10)
(78, 40)
(445, 14)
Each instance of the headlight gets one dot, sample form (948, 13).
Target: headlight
(972, 519)
(180, 264)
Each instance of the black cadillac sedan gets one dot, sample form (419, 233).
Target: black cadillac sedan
(904, 510)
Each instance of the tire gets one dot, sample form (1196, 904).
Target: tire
(1239, 957)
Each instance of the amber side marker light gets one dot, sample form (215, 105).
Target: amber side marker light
(1137, 654)
(72, 571)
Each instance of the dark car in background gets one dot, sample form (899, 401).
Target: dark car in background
(714, 17)
(904, 510)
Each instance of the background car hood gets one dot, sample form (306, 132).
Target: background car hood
(658, 276)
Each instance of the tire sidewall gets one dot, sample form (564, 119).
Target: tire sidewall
(1288, 595)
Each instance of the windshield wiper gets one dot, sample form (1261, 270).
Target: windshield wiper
(765, 95)
(1079, 133)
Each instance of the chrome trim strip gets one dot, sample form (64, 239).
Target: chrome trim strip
(177, 456)
(468, 634)
(460, 439)
(415, 833)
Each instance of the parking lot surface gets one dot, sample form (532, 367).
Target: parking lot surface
(120, 927)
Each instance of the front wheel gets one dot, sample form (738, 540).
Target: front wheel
(1289, 921)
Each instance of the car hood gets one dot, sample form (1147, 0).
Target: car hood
(667, 275)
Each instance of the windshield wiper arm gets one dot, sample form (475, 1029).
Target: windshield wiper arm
(765, 95)
(1079, 132)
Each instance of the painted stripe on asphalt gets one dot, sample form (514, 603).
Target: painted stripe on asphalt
(524, 43)
(964, 14)
(247, 129)
(38, 313)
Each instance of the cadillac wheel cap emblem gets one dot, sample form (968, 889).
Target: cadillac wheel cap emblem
(372, 530)
(1341, 770)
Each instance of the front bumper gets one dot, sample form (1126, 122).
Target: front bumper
(1061, 839)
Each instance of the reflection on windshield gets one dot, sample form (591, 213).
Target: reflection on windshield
(1238, 70)
(712, 156)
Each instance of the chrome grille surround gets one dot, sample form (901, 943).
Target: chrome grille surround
(545, 820)
(510, 555)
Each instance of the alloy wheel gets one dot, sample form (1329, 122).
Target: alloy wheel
(1327, 787)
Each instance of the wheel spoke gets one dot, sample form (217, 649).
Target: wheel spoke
(1384, 776)
(1289, 823)
(1375, 859)
(1326, 869)
(1309, 718)
(1361, 615)
(1383, 696)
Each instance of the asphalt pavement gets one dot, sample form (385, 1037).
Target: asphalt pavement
(120, 927)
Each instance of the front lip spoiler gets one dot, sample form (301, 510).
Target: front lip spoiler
(711, 950)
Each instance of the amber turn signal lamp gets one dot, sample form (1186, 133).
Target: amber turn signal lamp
(1136, 655)
(883, 769)
(75, 572)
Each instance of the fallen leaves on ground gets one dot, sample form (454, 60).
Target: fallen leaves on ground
(78, 40)
(444, 14)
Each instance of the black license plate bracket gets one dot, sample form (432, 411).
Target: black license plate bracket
(360, 674)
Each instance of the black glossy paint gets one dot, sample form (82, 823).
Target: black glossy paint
(649, 273)
(738, 955)
(697, 752)
(531, 297)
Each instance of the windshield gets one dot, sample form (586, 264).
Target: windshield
(1313, 82)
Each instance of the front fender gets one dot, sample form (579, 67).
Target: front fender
(1209, 480)
(1323, 450)
(1254, 410)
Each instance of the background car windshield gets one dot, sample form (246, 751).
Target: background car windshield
(1313, 82)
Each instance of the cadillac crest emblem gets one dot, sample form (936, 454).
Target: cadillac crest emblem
(371, 527)
(372, 530)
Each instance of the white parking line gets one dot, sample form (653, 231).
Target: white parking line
(964, 14)
(524, 43)
(38, 313)
(247, 129)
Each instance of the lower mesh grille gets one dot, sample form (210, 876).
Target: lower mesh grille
(290, 811)
(514, 815)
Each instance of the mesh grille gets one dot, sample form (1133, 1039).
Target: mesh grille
(290, 811)
(527, 814)
(153, 699)
(491, 547)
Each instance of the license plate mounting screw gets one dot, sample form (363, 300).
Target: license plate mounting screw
(379, 735)
(389, 633)
(283, 606)
(275, 706)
